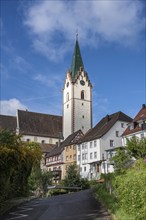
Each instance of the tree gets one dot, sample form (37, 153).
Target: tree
(40, 179)
(120, 159)
(16, 162)
(72, 177)
(136, 147)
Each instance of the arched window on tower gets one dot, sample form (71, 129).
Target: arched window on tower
(67, 97)
(82, 94)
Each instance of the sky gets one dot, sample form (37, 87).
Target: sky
(37, 40)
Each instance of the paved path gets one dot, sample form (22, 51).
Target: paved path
(75, 206)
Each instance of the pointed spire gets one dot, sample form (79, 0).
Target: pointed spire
(77, 59)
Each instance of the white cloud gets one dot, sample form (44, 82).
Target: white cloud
(52, 81)
(97, 21)
(9, 107)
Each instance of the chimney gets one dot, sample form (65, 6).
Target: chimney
(143, 106)
(58, 143)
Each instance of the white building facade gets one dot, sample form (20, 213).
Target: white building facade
(137, 127)
(96, 148)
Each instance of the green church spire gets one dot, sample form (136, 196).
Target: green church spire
(76, 60)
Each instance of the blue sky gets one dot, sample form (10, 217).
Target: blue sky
(37, 43)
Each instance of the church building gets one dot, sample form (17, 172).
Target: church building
(77, 97)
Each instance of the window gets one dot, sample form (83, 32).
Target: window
(122, 125)
(82, 116)
(95, 143)
(111, 143)
(70, 156)
(66, 158)
(74, 147)
(70, 147)
(131, 127)
(83, 146)
(84, 169)
(67, 97)
(90, 144)
(74, 156)
(79, 157)
(82, 94)
(66, 148)
(82, 127)
(83, 156)
(67, 105)
(82, 103)
(97, 168)
(90, 155)
(86, 156)
(117, 133)
(28, 140)
(78, 147)
(43, 141)
(95, 155)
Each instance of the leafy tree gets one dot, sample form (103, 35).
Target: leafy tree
(136, 147)
(72, 177)
(40, 179)
(16, 162)
(120, 159)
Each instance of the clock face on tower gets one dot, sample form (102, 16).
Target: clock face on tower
(82, 82)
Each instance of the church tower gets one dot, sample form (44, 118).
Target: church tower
(77, 97)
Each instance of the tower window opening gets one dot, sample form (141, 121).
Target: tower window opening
(67, 97)
(82, 94)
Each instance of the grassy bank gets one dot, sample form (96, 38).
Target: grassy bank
(111, 203)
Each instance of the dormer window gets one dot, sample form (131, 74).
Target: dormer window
(131, 127)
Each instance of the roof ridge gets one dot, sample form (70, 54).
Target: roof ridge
(38, 113)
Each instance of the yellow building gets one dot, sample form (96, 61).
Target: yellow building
(69, 152)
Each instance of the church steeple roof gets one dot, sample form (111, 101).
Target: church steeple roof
(76, 60)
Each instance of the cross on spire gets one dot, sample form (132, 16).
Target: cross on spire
(76, 35)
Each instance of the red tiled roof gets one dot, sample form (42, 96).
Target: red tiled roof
(141, 116)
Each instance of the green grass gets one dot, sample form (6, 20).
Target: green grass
(110, 202)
